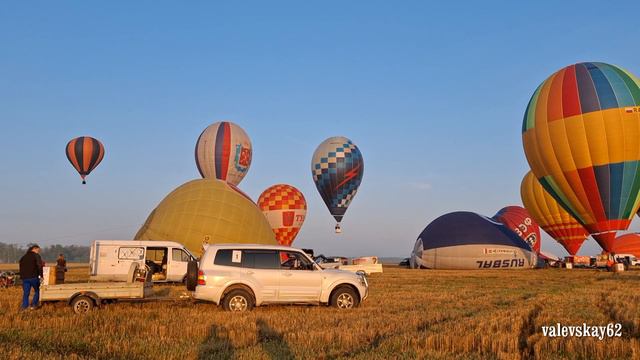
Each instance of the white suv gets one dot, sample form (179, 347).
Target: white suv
(239, 277)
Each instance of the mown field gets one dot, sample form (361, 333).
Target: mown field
(410, 314)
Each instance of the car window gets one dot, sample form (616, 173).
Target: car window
(260, 259)
(131, 253)
(293, 260)
(226, 257)
(179, 255)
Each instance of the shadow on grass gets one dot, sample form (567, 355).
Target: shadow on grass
(273, 342)
(215, 346)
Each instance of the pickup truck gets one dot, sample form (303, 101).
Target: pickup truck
(83, 297)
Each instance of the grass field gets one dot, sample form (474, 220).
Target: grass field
(410, 314)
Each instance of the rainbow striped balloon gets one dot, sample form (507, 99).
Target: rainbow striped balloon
(581, 136)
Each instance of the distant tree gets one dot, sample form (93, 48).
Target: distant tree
(11, 253)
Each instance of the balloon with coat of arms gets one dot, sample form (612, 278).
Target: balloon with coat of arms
(223, 152)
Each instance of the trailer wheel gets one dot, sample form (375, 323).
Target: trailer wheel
(82, 304)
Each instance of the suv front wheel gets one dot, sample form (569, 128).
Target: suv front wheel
(344, 297)
(238, 300)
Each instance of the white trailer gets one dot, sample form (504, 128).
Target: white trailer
(85, 296)
(110, 259)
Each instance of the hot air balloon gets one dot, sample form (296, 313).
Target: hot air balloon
(207, 211)
(628, 244)
(465, 240)
(223, 152)
(84, 153)
(337, 167)
(553, 219)
(522, 223)
(581, 136)
(285, 208)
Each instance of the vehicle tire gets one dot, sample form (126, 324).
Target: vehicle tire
(238, 300)
(344, 297)
(82, 304)
(191, 279)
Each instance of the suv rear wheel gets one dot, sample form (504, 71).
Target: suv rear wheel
(344, 297)
(238, 300)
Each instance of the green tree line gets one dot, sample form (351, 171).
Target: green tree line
(11, 253)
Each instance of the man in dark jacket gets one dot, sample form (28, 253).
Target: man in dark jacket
(30, 273)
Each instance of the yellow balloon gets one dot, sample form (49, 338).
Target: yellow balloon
(581, 135)
(551, 217)
(207, 211)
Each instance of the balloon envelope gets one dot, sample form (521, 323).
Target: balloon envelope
(581, 136)
(522, 223)
(628, 244)
(337, 167)
(207, 211)
(553, 219)
(85, 154)
(465, 240)
(223, 152)
(285, 208)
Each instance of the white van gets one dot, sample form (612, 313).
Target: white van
(110, 259)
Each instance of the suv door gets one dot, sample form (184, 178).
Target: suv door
(263, 267)
(300, 280)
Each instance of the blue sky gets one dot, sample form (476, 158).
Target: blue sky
(433, 94)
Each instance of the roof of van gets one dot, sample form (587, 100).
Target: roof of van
(139, 242)
(251, 246)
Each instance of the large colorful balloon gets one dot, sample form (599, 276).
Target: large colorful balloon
(223, 152)
(553, 219)
(465, 240)
(337, 167)
(522, 223)
(581, 135)
(84, 153)
(207, 211)
(285, 208)
(628, 244)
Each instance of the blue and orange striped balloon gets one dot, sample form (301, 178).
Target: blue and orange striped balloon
(581, 136)
(84, 153)
(223, 152)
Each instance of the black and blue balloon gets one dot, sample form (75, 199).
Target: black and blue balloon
(466, 240)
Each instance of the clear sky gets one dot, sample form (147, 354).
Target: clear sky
(433, 93)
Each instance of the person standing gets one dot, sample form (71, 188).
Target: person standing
(30, 273)
(61, 268)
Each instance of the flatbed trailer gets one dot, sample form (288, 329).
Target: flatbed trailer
(85, 296)
(367, 268)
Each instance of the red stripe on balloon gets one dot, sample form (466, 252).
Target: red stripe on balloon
(570, 96)
(588, 178)
(226, 149)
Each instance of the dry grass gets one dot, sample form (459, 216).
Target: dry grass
(410, 314)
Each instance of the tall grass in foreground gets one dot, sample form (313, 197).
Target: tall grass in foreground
(410, 314)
